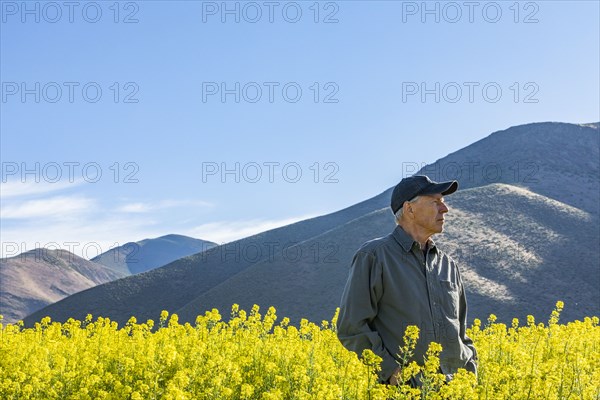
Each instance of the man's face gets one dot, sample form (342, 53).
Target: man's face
(429, 213)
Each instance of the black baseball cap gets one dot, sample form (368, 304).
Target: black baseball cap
(418, 185)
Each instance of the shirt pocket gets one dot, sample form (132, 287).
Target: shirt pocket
(450, 299)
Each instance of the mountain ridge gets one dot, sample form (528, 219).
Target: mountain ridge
(517, 156)
(41, 276)
(31, 281)
(144, 255)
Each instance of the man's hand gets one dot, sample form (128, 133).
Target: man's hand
(395, 376)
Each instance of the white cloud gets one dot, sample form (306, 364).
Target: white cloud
(33, 215)
(89, 235)
(82, 224)
(85, 237)
(53, 207)
(141, 207)
(228, 231)
(134, 208)
(19, 189)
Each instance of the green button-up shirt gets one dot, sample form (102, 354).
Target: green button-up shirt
(392, 284)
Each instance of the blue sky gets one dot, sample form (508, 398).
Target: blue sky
(127, 120)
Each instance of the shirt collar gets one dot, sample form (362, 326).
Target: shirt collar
(407, 242)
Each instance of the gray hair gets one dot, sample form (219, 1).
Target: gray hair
(399, 213)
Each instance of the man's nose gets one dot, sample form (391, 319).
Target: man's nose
(444, 208)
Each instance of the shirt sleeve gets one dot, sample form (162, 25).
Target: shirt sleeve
(358, 309)
(467, 341)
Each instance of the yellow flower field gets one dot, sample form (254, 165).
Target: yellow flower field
(255, 357)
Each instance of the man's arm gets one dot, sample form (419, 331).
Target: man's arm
(472, 363)
(358, 309)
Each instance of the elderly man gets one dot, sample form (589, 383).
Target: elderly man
(404, 279)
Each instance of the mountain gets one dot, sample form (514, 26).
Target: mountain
(33, 280)
(524, 237)
(135, 257)
(40, 277)
(556, 160)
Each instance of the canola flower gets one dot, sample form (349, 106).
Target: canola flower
(251, 356)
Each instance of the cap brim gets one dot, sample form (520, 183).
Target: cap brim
(444, 188)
